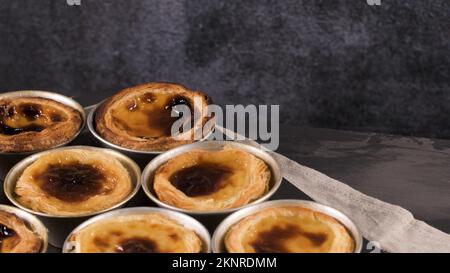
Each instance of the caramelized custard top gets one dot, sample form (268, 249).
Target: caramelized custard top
(137, 245)
(148, 115)
(272, 241)
(27, 117)
(5, 233)
(74, 182)
(201, 179)
(289, 234)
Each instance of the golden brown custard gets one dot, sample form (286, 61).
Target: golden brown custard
(203, 180)
(148, 115)
(16, 119)
(286, 234)
(15, 235)
(139, 117)
(288, 229)
(137, 233)
(34, 124)
(73, 182)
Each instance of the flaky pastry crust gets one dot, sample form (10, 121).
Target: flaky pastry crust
(149, 232)
(116, 183)
(59, 122)
(248, 180)
(107, 126)
(22, 240)
(292, 229)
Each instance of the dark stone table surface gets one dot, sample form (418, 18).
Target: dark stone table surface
(407, 171)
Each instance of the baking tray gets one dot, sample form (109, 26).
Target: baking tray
(285, 191)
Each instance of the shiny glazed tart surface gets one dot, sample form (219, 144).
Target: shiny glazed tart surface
(288, 229)
(140, 233)
(202, 180)
(140, 117)
(33, 123)
(73, 181)
(16, 236)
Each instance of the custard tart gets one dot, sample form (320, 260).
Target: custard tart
(34, 123)
(201, 180)
(16, 235)
(288, 229)
(140, 233)
(73, 182)
(140, 117)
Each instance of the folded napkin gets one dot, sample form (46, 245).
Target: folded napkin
(392, 227)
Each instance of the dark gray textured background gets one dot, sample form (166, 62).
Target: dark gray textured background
(336, 64)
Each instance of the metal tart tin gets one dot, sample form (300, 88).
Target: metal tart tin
(181, 218)
(32, 222)
(141, 157)
(212, 218)
(8, 159)
(217, 243)
(60, 225)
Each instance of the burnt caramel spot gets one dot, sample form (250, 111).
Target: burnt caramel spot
(100, 242)
(31, 111)
(177, 100)
(174, 236)
(9, 131)
(149, 97)
(73, 182)
(9, 112)
(26, 117)
(132, 106)
(202, 179)
(5, 233)
(272, 241)
(137, 245)
(56, 117)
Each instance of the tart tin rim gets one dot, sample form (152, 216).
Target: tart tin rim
(217, 244)
(17, 170)
(187, 221)
(91, 126)
(67, 101)
(30, 219)
(212, 145)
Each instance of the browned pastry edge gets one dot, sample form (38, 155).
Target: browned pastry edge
(28, 242)
(253, 187)
(191, 242)
(154, 144)
(51, 136)
(234, 236)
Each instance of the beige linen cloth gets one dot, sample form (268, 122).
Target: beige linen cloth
(392, 227)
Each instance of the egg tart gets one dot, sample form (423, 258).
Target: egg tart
(202, 180)
(73, 182)
(288, 229)
(140, 233)
(139, 117)
(34, 123)
(16, 235)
